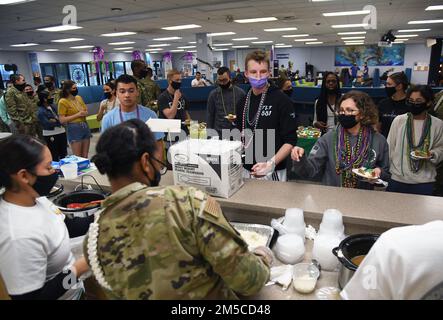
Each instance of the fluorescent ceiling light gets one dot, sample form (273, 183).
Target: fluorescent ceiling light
(354, 44)
(295, 35)
(401, 40)
(51, 50)
(413, 30)
(167, 39)
(283, 46)
(60, 28)
(240, 46)
(260, 42)
(350, 33)
(126, 48)
(280, 44)
(406, 35)
(425, 21)
(24, 45)
(156, 49)
(192, 42)
(346, 13)
(352, 25)
(222, 44)
(303, 40)
(81, 47)
(182, 27)
(220, 34)
(245, 39)
(439, 7)
(186, 47)
(128, 51)
(177, 50)
(7, 2)
(221, 49)
(117, 34)
(159, 45)
(314, 42)
(68, 40)
(120, 43)
(352, 38)
(153, 52)
(280, 29)
(256, 20)
(192, 51)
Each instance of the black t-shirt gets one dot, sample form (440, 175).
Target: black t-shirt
(165, 100)
(278, 114)
(388, 109)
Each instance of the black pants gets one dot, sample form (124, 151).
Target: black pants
(58, 145)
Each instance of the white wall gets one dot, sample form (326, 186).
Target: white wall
(65, 57)
(20, 58)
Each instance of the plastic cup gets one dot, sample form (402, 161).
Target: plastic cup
(305, 277)
(193, 129)
(294, 221)
(290, 248)
(332, 222)
(69, 170)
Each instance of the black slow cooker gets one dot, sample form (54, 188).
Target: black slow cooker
(351, 247)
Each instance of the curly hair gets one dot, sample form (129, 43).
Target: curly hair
(365, 104)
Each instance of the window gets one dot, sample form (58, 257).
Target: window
(4, 75)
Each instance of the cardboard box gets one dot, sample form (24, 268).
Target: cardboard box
(213, 166)
(82, 163)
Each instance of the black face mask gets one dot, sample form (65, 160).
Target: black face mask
(44, 184)
(30, 93)
(331, 90)
(416, 108)
(175, 85)
(108, 95)
(347, 121)
(289, 92)
(20, 87)
(143, 73)
(225, 86)
(49, 85)
(157, 177)
(390, 91)
(50, 101)
(74, 93)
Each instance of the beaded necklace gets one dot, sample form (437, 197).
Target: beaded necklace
(348, 158)
(254, 123)
(223, 100)
(423, 144)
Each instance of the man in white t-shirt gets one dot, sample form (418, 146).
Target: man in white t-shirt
(199, 81)
(405, 263)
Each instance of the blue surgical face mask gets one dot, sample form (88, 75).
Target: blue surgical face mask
(258, 83)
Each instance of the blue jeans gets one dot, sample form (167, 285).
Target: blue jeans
(425, 189)
(77, 132)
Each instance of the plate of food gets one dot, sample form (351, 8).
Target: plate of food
(231, 117)
(421, 155)
(365, 173)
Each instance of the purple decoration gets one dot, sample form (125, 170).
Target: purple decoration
(137, 55)
(167, 56)
(99, 54)
(188, 56)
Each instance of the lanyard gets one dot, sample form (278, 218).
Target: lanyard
(223, 101)
(121, 115)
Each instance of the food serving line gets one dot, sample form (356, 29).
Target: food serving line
(259, 201)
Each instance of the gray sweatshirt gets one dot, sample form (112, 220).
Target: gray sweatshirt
(321, 160)
(398, 143)
(216, 113)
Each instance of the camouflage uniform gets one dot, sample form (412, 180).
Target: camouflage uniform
(21, 109)
(38, 128)
(438, 112)
(56, 94)
(153, 91)
(173, 243)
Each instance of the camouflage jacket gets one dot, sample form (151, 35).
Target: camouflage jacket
(173, 243)
(147, 94)
(20, 107)
(152, 88)
(56, 94)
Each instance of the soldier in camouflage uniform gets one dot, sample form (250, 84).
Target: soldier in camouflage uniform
(54, 92)
(29, 91)
(20, 108)
(163, 242)
(146, 87)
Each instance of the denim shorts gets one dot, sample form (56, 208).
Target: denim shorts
(77, 132)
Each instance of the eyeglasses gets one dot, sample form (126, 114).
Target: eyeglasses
(164, 167)
(348, 111)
